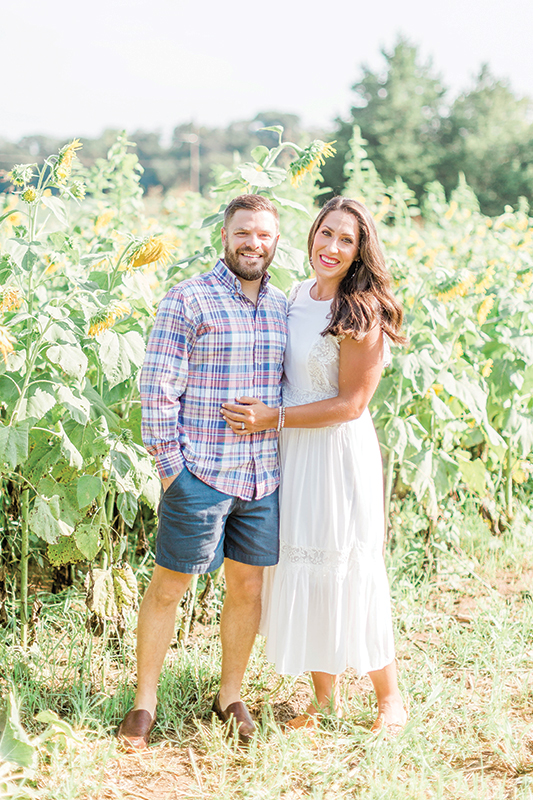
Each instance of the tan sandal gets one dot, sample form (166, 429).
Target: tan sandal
(308, 721)
(391, 729)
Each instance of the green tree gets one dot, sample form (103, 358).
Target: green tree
(488, 136)
(399, 112)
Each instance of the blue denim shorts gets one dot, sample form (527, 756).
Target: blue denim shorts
(200, 526)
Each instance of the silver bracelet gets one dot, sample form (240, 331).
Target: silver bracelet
(281, 418)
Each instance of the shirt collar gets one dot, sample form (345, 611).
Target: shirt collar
(231, 281)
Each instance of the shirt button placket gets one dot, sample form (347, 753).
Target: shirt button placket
(256, 391)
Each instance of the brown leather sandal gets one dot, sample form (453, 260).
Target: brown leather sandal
(135, 729)
(239, 713)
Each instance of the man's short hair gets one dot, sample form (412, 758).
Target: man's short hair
(250, 202)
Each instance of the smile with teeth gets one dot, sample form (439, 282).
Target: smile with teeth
(251, 255)
(332, 262)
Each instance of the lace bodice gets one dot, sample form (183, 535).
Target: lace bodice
(311, 360)
(322, 357)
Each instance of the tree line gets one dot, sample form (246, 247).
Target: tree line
(411, 128)
(414, 131)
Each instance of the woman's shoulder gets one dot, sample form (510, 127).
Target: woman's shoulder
(299, 290)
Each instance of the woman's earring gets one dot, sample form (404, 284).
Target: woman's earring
(311, 262)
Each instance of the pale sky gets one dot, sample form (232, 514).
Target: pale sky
(73, 69)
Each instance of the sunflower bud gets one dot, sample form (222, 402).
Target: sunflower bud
(21, 174)
(78, 190)
(29, 195)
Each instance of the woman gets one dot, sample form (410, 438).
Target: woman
(326, 604)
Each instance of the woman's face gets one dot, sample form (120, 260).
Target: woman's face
(335, 245)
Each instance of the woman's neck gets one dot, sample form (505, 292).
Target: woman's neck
(324, 290)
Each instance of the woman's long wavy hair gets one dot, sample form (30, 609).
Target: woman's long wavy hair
(364, 297)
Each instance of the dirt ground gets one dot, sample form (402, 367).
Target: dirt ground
(163, 773)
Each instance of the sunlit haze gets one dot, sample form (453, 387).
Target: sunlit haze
(75, 69)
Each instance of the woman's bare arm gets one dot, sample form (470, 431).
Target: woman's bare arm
(360, 366)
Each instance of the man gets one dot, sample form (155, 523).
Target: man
(217, 337)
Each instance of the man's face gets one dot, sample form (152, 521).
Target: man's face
(250, 243)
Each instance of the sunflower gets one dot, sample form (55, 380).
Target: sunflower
(484, 309)
(458, 286)
(65, 157)
(29, 195)
(10, 298)
(149, 251)
(107, 317)
(314, 154)
(485, 282)
(67, 153)
(487, 368)
(6, 343)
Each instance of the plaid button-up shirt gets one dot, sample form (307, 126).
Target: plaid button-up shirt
(209, 345)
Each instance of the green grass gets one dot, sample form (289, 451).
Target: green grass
(465, 656)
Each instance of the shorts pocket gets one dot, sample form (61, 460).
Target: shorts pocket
(177, 478)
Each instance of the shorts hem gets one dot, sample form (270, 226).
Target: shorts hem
(265, 561)
(189, 569)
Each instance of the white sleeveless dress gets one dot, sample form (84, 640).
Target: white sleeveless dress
(326, 605)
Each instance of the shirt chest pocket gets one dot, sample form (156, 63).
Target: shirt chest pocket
(219, 340)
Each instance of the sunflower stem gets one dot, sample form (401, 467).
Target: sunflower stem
(24, 559)
(113, 275)
(389, 478)
(509, 478)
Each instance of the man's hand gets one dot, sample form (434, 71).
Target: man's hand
(165, 482)
(249, 415)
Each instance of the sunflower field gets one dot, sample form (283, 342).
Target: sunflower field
(84, 260)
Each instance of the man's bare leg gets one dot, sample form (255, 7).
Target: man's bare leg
(238, 625)
(155, 629)
(391, 710)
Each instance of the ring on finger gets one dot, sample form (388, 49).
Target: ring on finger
(242, 426)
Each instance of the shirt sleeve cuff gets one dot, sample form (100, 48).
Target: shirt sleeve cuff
(169, 463)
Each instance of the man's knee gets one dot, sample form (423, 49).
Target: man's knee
(167, 587)
(244, 584)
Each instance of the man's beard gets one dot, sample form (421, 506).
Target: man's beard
(251, 272)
